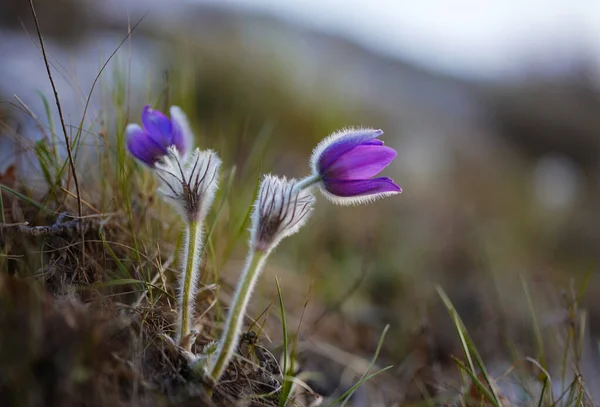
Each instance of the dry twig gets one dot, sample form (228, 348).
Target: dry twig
(62, 123)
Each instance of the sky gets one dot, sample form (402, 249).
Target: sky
(483, 38)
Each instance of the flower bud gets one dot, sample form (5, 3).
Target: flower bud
(189, 186)
(279, 211)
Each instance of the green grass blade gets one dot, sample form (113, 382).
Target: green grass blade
(242, 226)
(543, 392)
(536, 326)
(287, 370)
(224, 199)
(46, 162)
(26, 199)
(344, 398)
(112, 254)
(259, 146)
(2, 218)
(584, 285)
(457, 325)
(226, 192)
(130, 281)
(580, 396)
(475, 380)
(53, 134)
(469, 348)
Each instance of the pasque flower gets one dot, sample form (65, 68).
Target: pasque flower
(345, 163)
(188, 184)
(151, 142)
(280, 210)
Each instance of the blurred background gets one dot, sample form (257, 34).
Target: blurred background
(493, 107)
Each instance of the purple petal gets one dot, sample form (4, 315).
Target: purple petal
(158, 126)
(345, 144)
(362, 162)
(142, 147)
(373, 142)
(360, 188)
(182, 135)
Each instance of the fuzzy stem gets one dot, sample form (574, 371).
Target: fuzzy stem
(188, 279)
(308, 182)
(230, 338)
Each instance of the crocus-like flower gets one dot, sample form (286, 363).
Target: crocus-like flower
(344, 163)
(151, 142)
(280, 211)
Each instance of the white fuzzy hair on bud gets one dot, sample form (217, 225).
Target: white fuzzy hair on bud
(354, 200)
(189, 186)
(280, 210)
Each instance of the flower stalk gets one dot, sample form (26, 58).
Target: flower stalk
(229, 339)
(308, 182)
(188, 279)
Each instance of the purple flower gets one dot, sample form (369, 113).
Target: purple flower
(150, 142)
(346, 162)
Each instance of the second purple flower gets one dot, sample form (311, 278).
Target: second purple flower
(151, 142)
(346, 162)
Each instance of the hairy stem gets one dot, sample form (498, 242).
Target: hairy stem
(308, 182)
(189, 279)
(229, 340)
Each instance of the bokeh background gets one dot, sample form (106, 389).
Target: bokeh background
(493, 107)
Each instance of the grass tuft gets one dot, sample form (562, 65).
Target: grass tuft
(475, 368)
